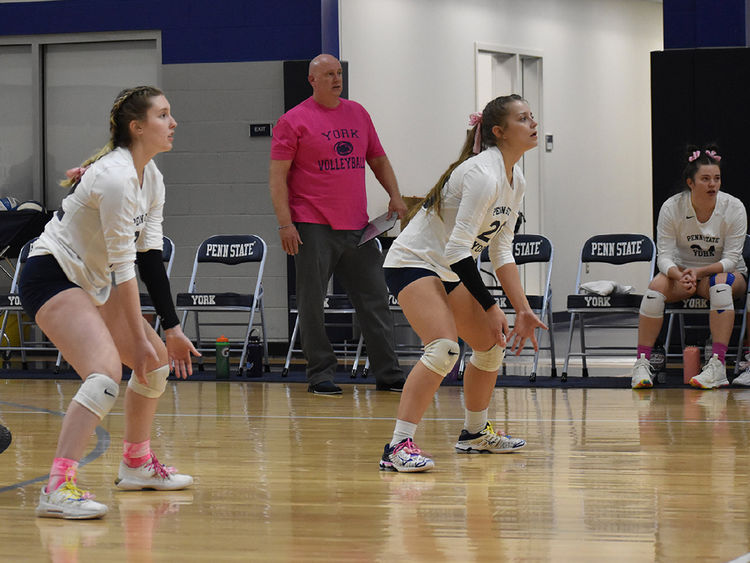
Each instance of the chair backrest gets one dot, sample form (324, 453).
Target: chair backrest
(167, 253)
(23, 256)
(621, 248)
(618, 249)
(746, 250)
(527, 249)
(25, 250)
(231, 249)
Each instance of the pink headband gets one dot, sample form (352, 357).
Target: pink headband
(696, 154)
(74, 174)
(476, 119)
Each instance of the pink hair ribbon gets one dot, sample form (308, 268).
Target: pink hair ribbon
(74, 174)
(693, 156)
(713, 155)
(476, 119)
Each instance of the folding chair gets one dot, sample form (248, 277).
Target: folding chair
(527, 249)
(207, 294)
(699, 306)
(335, 303)
(167, 256)
(10, 304)
(616, 250)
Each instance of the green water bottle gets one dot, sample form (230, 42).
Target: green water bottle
(222, 357)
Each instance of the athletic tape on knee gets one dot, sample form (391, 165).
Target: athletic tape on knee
(98, 394)
(490, 360)
(440, 355)
(720, 297)
(712, 279)
(156, 383)
(652, 304)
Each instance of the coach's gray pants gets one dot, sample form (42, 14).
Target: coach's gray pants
(325, 252)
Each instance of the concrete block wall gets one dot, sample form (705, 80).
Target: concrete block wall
(217, 176)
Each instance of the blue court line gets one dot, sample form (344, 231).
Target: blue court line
(102, 445)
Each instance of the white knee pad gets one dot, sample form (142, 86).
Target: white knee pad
(157, 383)
(652, 304)
(440, 355)
(98, 394)
(490, 360)
(720, 297)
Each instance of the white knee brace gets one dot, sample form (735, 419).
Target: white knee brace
(440, 355)
(98, 394)
(720, 297)
(489, 360)
(652, 304)
(157, 383)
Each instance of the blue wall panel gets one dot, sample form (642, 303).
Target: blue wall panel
(704, 23)
(193, 31)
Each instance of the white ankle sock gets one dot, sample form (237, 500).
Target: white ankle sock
(403, 430)
(475, 421)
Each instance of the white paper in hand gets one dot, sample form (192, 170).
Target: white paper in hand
(378, 226)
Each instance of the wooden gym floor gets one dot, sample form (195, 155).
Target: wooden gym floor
(282, 475)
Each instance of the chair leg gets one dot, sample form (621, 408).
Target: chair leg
(292, 341)
(571, 328)
(551, 335)
(266, 361)
(585, 371)
(355, 366)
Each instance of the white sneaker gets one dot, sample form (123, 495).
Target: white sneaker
(69, 502)
(151, 475)
(714, 375)
(743, 378)
(643, 377)
(487, 442)
(405, 457)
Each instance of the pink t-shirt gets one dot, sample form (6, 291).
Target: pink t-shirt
(329, 149)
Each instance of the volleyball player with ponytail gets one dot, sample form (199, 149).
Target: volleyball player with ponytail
(431, 268)
(79, 286)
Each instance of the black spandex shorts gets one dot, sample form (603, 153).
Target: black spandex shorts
(398, 278)
(41, 279)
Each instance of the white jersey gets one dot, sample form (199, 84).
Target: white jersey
(104, 221)
(479, 209)
(684, 242)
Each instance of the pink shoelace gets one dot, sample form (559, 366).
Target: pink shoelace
(160, 469)
(409, 446)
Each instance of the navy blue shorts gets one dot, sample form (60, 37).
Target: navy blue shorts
(41, 279)
(398, 278)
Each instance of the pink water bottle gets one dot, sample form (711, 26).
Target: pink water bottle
(691, 363)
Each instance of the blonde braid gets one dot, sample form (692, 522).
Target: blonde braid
(114, 139)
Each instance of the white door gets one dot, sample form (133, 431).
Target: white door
(501, 71)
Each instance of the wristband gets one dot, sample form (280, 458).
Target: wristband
(285, 226)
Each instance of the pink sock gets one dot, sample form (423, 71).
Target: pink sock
(62, 469)
(136, 455)
(645, 350)
(720, 350)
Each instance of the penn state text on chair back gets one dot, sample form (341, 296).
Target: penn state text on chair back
(167, 256)
(208, 293)
(10, 304)
(617, 250)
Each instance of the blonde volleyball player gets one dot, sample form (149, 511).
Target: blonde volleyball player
(79, 286)
(431, 268)
(700, 234)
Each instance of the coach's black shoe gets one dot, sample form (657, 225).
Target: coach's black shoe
(324, 388)
(397, 386)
